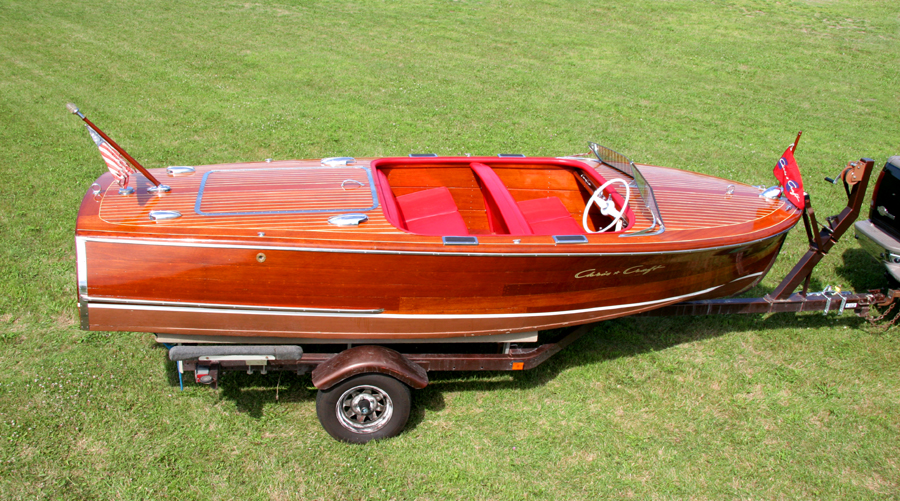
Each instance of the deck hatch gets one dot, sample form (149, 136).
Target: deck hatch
(297, 190)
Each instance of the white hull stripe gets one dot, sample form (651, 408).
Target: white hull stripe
(746, 277)
(395, 315)
(142, 302)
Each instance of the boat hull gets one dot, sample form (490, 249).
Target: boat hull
(213, 291)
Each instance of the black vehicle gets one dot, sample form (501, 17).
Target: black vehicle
(880, 234)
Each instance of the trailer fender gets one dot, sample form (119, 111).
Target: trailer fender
(368, 359)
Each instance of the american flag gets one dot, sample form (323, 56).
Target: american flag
(118, 166)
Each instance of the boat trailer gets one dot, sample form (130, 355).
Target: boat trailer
(361, 397)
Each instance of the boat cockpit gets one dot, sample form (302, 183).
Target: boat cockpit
(500, 196)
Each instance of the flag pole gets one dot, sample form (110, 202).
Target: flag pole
(794, 147)
(74, 109)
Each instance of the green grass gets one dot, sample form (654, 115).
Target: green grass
(785, 406)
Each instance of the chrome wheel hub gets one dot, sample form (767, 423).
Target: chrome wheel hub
(364, 409)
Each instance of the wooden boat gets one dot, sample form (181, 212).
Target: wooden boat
(418, 249)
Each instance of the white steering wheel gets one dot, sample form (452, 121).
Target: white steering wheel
(607, 206)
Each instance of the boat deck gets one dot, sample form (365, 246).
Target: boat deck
(294, 199)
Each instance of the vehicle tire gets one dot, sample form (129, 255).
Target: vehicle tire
(363, 408)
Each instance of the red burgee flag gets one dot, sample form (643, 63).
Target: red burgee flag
(789, 174)
(118, 166)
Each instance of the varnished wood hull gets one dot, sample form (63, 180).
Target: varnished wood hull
(256, 282)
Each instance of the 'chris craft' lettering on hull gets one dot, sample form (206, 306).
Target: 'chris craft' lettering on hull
(640, 269)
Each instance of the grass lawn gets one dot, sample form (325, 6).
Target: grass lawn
(782, 406)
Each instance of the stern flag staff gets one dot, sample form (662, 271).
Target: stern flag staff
(118, 166)
(788, 173)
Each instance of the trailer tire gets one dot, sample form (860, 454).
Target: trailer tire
(363, 408)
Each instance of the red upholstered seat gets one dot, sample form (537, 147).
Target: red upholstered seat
(432, 212)
(548, 216)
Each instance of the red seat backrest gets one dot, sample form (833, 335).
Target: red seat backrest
(389, 201)
(499, 198)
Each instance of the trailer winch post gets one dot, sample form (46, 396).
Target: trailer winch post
(856, 180)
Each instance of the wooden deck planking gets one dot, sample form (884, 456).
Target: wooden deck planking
(686, 201)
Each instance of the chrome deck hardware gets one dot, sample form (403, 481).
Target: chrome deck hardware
(360, 184)
(337, 161)
(569, 239)
(179, 170)
(348, 219)
(164, 215)
(772, 193)
(460, 240)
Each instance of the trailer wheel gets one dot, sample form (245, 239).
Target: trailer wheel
(363, 408)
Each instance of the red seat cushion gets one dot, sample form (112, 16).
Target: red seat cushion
(426, 203)
(450, 224)
(432, 212)
(548, 216)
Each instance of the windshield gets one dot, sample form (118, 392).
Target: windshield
(624, 165)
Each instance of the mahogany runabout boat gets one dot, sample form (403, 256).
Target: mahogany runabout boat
(385, 263)
(418, 249)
